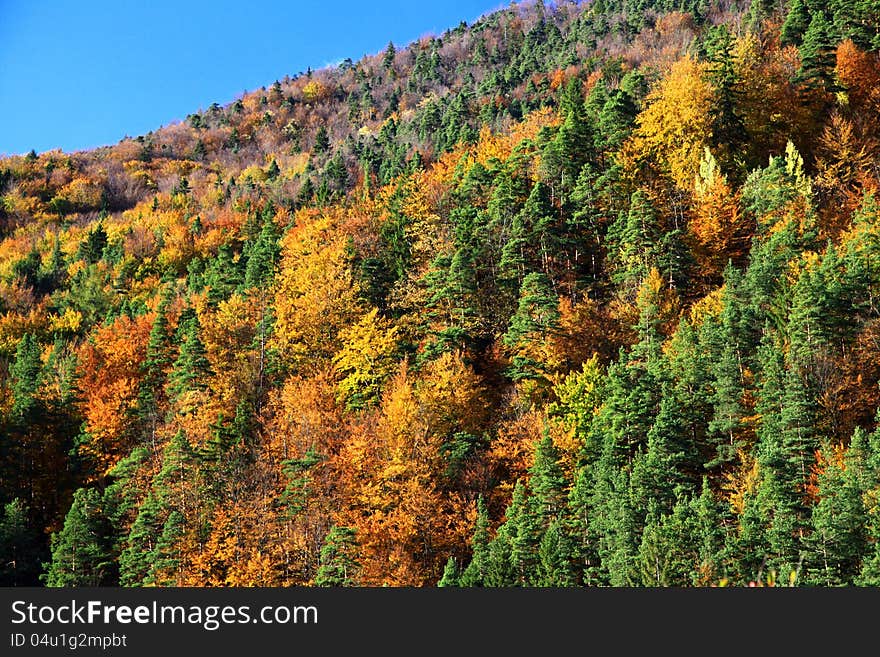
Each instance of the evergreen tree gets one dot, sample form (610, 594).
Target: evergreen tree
(26, 373)
(711, 568)
(191, 367)
(725, 426)
(818, 54)
(572, 147)
(92, 247)
(82, 552)
(139, 554)
(613, 522)
(338, 561)
(262, 255)
(475, 573)
(150, 555)
(153, 369)
(797, 21)
(632, 242)
(728, 132)
(536, 317)
(838, 541)
(615, 121)
(322, 141)
(556, 557)
(450, 574)
(869, 481)
(20, 548)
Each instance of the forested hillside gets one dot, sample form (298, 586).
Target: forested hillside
(581, 294)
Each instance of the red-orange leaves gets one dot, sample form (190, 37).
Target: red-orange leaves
(108, 374)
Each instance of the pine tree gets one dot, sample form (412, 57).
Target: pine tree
(711, 568)
(615, 121)
(818, 54)
(223, 274)
(139, 554)
(572, 147)
(632, 242)
(476, 572)
(613, 522)
(26, 373)
(584, 540)
(451, 575)
(151, 551)
(869, 481)
(536, 317)
(728, 132)
(262, 255)
(338, 561)
(838, 541)
(153, 369)
(556, 557)
(725, 427)
(82, 552)
(797, 21)
(191, 367)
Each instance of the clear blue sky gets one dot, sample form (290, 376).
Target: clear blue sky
(76, 75)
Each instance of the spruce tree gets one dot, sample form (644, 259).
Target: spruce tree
(262, 254)
(450, 574)
(536, 318)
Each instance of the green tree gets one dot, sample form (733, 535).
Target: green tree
(535, 319)
(797, 21)
(338, 564)
(26, 373)
(191, 367)
(475, 573)
(839, 538)
(263, 253)
(20, 549)
(818, 54)
(82, 552)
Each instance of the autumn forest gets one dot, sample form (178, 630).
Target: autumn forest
(580, 294)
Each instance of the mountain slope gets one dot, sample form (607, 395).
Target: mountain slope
(576, 295)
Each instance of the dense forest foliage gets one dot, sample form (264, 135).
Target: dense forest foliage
(582, 294)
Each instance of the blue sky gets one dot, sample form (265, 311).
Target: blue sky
(76, 75)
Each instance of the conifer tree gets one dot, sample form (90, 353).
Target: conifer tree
(338, 564)
(476, 572)
(82, 553)
(191, 367)
(839, 538)
(451, 576)
(263, 253)
(20, 548)
(536, 317)
(153, 369)
(26, 372)
(818, 54)
(797, 21)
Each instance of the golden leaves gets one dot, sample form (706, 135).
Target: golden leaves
(676, 126)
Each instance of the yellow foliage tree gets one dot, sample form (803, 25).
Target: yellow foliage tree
(676, 125)
(716, 227)
(315, 295)
(365, 360)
